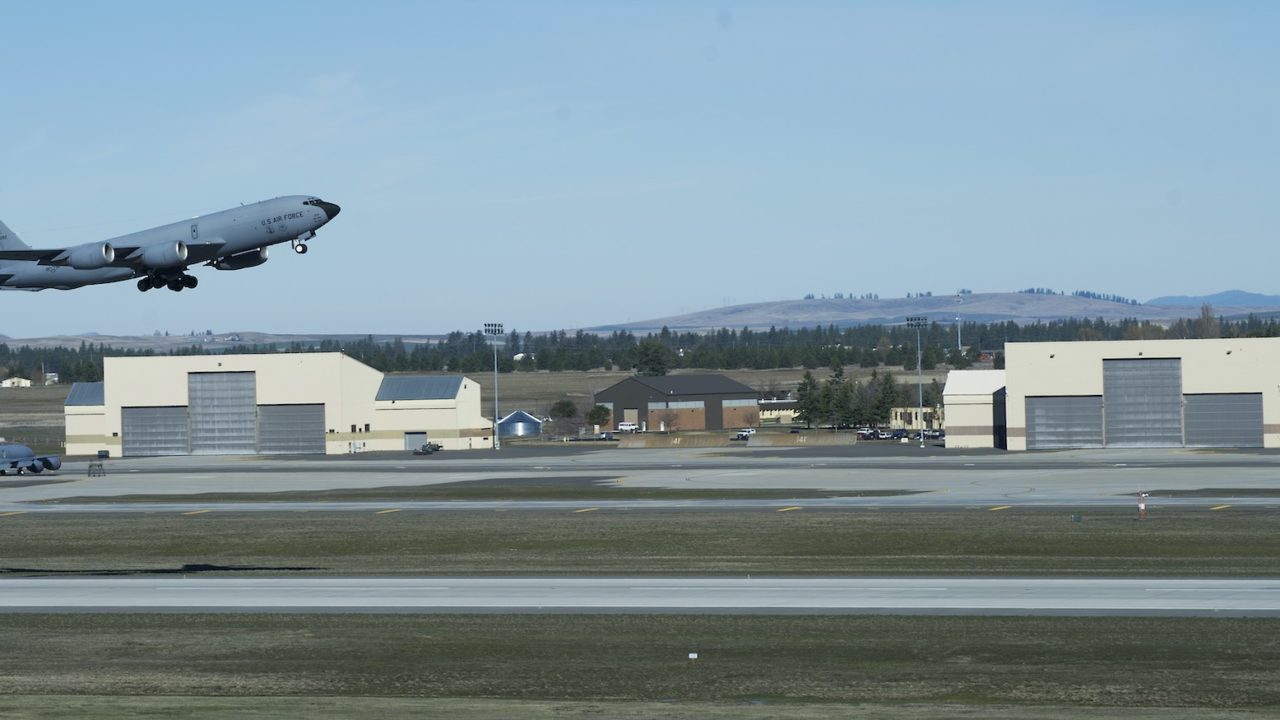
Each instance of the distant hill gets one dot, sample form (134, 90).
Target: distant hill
(1022, 308)
(1227, 299)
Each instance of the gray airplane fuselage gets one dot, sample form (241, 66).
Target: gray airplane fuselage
(208, 239)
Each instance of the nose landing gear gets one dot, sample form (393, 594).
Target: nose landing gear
(300, 243)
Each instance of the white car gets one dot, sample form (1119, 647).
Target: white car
(628, 427)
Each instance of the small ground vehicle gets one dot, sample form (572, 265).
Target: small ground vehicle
(866, 433)
(428, 448)
(628, 427)
(898, 434)
(743, 435)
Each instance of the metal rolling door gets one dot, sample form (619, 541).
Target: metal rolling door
(224, 413)
(1143, 401)
(1224, 420)
(291, 429)
(149, 431)
(414, 440)
(1064, 422)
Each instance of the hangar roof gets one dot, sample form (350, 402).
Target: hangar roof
(973, 382)
(85, 393)
(520, 416)
(705, 384)
(419, 387)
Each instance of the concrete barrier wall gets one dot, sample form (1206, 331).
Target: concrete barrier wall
(816, 438)
(704, 440)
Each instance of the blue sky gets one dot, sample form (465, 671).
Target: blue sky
(564, 164)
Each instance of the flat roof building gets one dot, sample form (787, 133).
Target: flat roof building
(975, 409)
(289, 403)
(1142, 393)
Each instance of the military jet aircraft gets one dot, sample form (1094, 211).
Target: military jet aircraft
(19, 458)
(228, 240)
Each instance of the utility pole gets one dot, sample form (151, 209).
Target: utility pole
(917, 322)
(495, 330)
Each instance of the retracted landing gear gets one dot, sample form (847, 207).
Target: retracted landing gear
(175, 283)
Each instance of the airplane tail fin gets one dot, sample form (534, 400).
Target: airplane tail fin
(9, 239)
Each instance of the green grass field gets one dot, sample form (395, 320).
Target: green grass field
(761, 661)
(865, 542)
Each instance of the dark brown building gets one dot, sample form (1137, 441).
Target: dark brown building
(681, 402)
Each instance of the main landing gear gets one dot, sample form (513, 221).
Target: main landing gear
(175, 283)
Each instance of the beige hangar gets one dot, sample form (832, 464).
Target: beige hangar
(1143, 393)
(294, 403)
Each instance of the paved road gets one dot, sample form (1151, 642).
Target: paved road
(971, 596)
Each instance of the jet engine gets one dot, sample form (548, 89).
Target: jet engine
(164, 255)
(91, 256)
(35, 468)
(51, 463)
(244, 260)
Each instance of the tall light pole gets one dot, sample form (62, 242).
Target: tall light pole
(917, 322)
(495, 330)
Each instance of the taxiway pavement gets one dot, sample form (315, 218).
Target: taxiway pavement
(773, 595)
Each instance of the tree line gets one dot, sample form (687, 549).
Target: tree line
(867, 346)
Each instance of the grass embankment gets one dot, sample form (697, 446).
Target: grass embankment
(1080, 662)
(864, 542)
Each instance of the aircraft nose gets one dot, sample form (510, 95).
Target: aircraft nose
(330, 210)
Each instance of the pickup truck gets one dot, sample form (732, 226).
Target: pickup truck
(428, 448)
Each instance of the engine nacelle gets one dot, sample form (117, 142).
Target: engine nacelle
(51, 463)
(164, 255)
(244, 260)
(35, 468)
(91, 256)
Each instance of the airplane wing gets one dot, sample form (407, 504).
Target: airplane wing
(41, 256)
(204, 251)
(196, 253)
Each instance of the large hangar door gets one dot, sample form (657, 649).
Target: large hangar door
(153, 431)
(291, 429)
(224, 413)
(1064, 422)
(1143, 402)
(1228, 420)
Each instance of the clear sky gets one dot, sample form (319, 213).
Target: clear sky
(565, 164)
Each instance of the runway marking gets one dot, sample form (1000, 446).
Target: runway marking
(789, 509)
(9, 514)
(999, 507)
(401, 467)
(1219, 507)
(197, 512)
(384, 512)
(586, 510)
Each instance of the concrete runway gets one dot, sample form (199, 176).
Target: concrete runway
(772, 595)
(928, 477)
